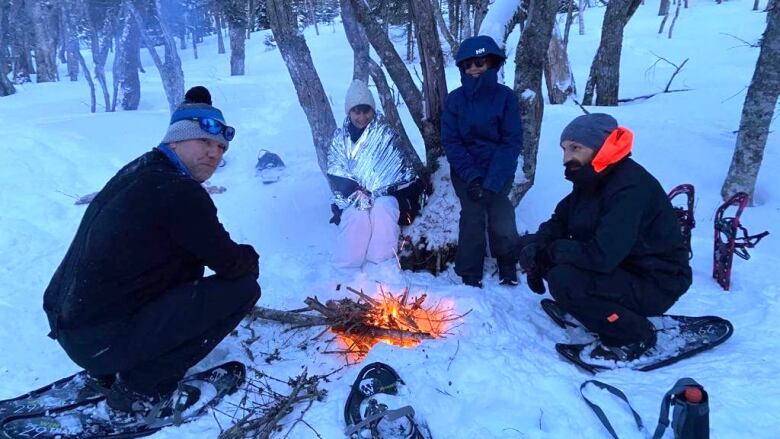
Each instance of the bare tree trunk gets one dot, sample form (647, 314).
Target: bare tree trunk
(569, 21)
(664, 8)
(465, 20)
(557, 70)
(235, 14)
(604, 78)
(312, 15)
(453, 14)
(170, 70)
(21, 42)
(357, 39)
(218, 23)
(127, 85)
(760, 102)
(409, 42)
(581, 16)
(434, 82)
(674, 20)
(480, 11)
(6, 86)
(45, 18)
(755, 5)
(663, 23)
(443, 28)
(311, 94)
(387, 99)
(530, 59)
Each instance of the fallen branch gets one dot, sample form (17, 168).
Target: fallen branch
(289, 317)
(666, 89)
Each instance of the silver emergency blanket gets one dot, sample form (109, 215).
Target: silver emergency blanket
(376, 161)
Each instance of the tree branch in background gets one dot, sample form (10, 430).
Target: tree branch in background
(668, 84)
(445, 31)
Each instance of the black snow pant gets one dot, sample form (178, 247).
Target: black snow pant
(498, 217)
(613, 305)
(153, 349)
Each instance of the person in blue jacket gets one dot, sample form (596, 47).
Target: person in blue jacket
(482, 138)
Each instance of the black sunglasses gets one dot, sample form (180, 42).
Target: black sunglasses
(213, 126)
(477, 62)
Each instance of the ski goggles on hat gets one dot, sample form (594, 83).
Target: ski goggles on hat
(215, 127)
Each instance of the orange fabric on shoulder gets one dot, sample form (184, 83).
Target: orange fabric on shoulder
(616, 147)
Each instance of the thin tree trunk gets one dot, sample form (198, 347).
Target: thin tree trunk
(45, 18)
(88, 77)
(465, 20)
(452, 13)
(409, 42)
(6, 86)
(604, 79)
(755, 5)
(434, 84)
(170, 70)
(569, 21)
(444, 29)
(557, 70)
(127, 85)
(530, 59)
(663, 9)
(357, 39)
(220, 40)
(386, 98)
(235, 14)
(581, 17)
(480, 11)
(21, 42)
(297, 58)
(760, 103)
(312, 15)
(674, 20)
(663, 23)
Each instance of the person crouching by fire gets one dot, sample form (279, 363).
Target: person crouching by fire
(376, 182)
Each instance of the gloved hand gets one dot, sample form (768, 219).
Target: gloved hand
(475, 191)
(336, 218)
(527, 257)
(535, 282)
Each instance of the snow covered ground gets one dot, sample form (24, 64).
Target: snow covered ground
(498, 375)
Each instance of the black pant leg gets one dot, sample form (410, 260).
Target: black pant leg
(597, 301)
(470, 255)
(502, 227)
(185, 324)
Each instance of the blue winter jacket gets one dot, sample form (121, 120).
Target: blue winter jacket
(481, 130)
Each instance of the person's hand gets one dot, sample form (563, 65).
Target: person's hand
(475, 191)
(336, 218)
(535, 282)
(527, 257)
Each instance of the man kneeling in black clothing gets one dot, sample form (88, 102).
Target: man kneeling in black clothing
(129, 302)
(612, 253)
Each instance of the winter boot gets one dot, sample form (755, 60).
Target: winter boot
(472, 281)
(507, 271)
(627, 352)
(121, 398)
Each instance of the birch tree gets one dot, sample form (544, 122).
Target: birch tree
(530, 61)
(604, 78)
(127, 84)
(757, 112)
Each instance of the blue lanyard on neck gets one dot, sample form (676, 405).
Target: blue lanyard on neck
(171, 154)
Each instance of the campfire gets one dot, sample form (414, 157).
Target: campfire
(397, 319)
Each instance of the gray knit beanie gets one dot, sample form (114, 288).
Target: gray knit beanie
(590, 130)
(358, 94)
(184, 124)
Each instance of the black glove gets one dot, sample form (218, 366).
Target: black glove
(476, 193)
(535, 282)
(336, 218)
(527, 257)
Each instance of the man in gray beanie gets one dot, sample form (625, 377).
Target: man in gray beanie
(129, 302)
(612, 252)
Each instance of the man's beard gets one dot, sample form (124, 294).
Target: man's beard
(571, 168)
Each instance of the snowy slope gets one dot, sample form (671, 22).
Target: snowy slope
(498, 375)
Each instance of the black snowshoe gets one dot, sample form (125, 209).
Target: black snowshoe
(367, 413)
(75, 390)
(95, 419)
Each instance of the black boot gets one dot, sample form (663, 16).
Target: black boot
(627, 352)
(472, 281)
(121, 398)
(507, 271)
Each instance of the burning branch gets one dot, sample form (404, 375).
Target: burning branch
(400, 320)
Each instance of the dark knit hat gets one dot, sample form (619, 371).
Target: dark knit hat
(184, 123)
(590, 130)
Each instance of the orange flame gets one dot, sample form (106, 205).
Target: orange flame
(400, 320)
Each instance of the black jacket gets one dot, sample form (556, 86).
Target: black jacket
(149, 229)
(620, 217)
